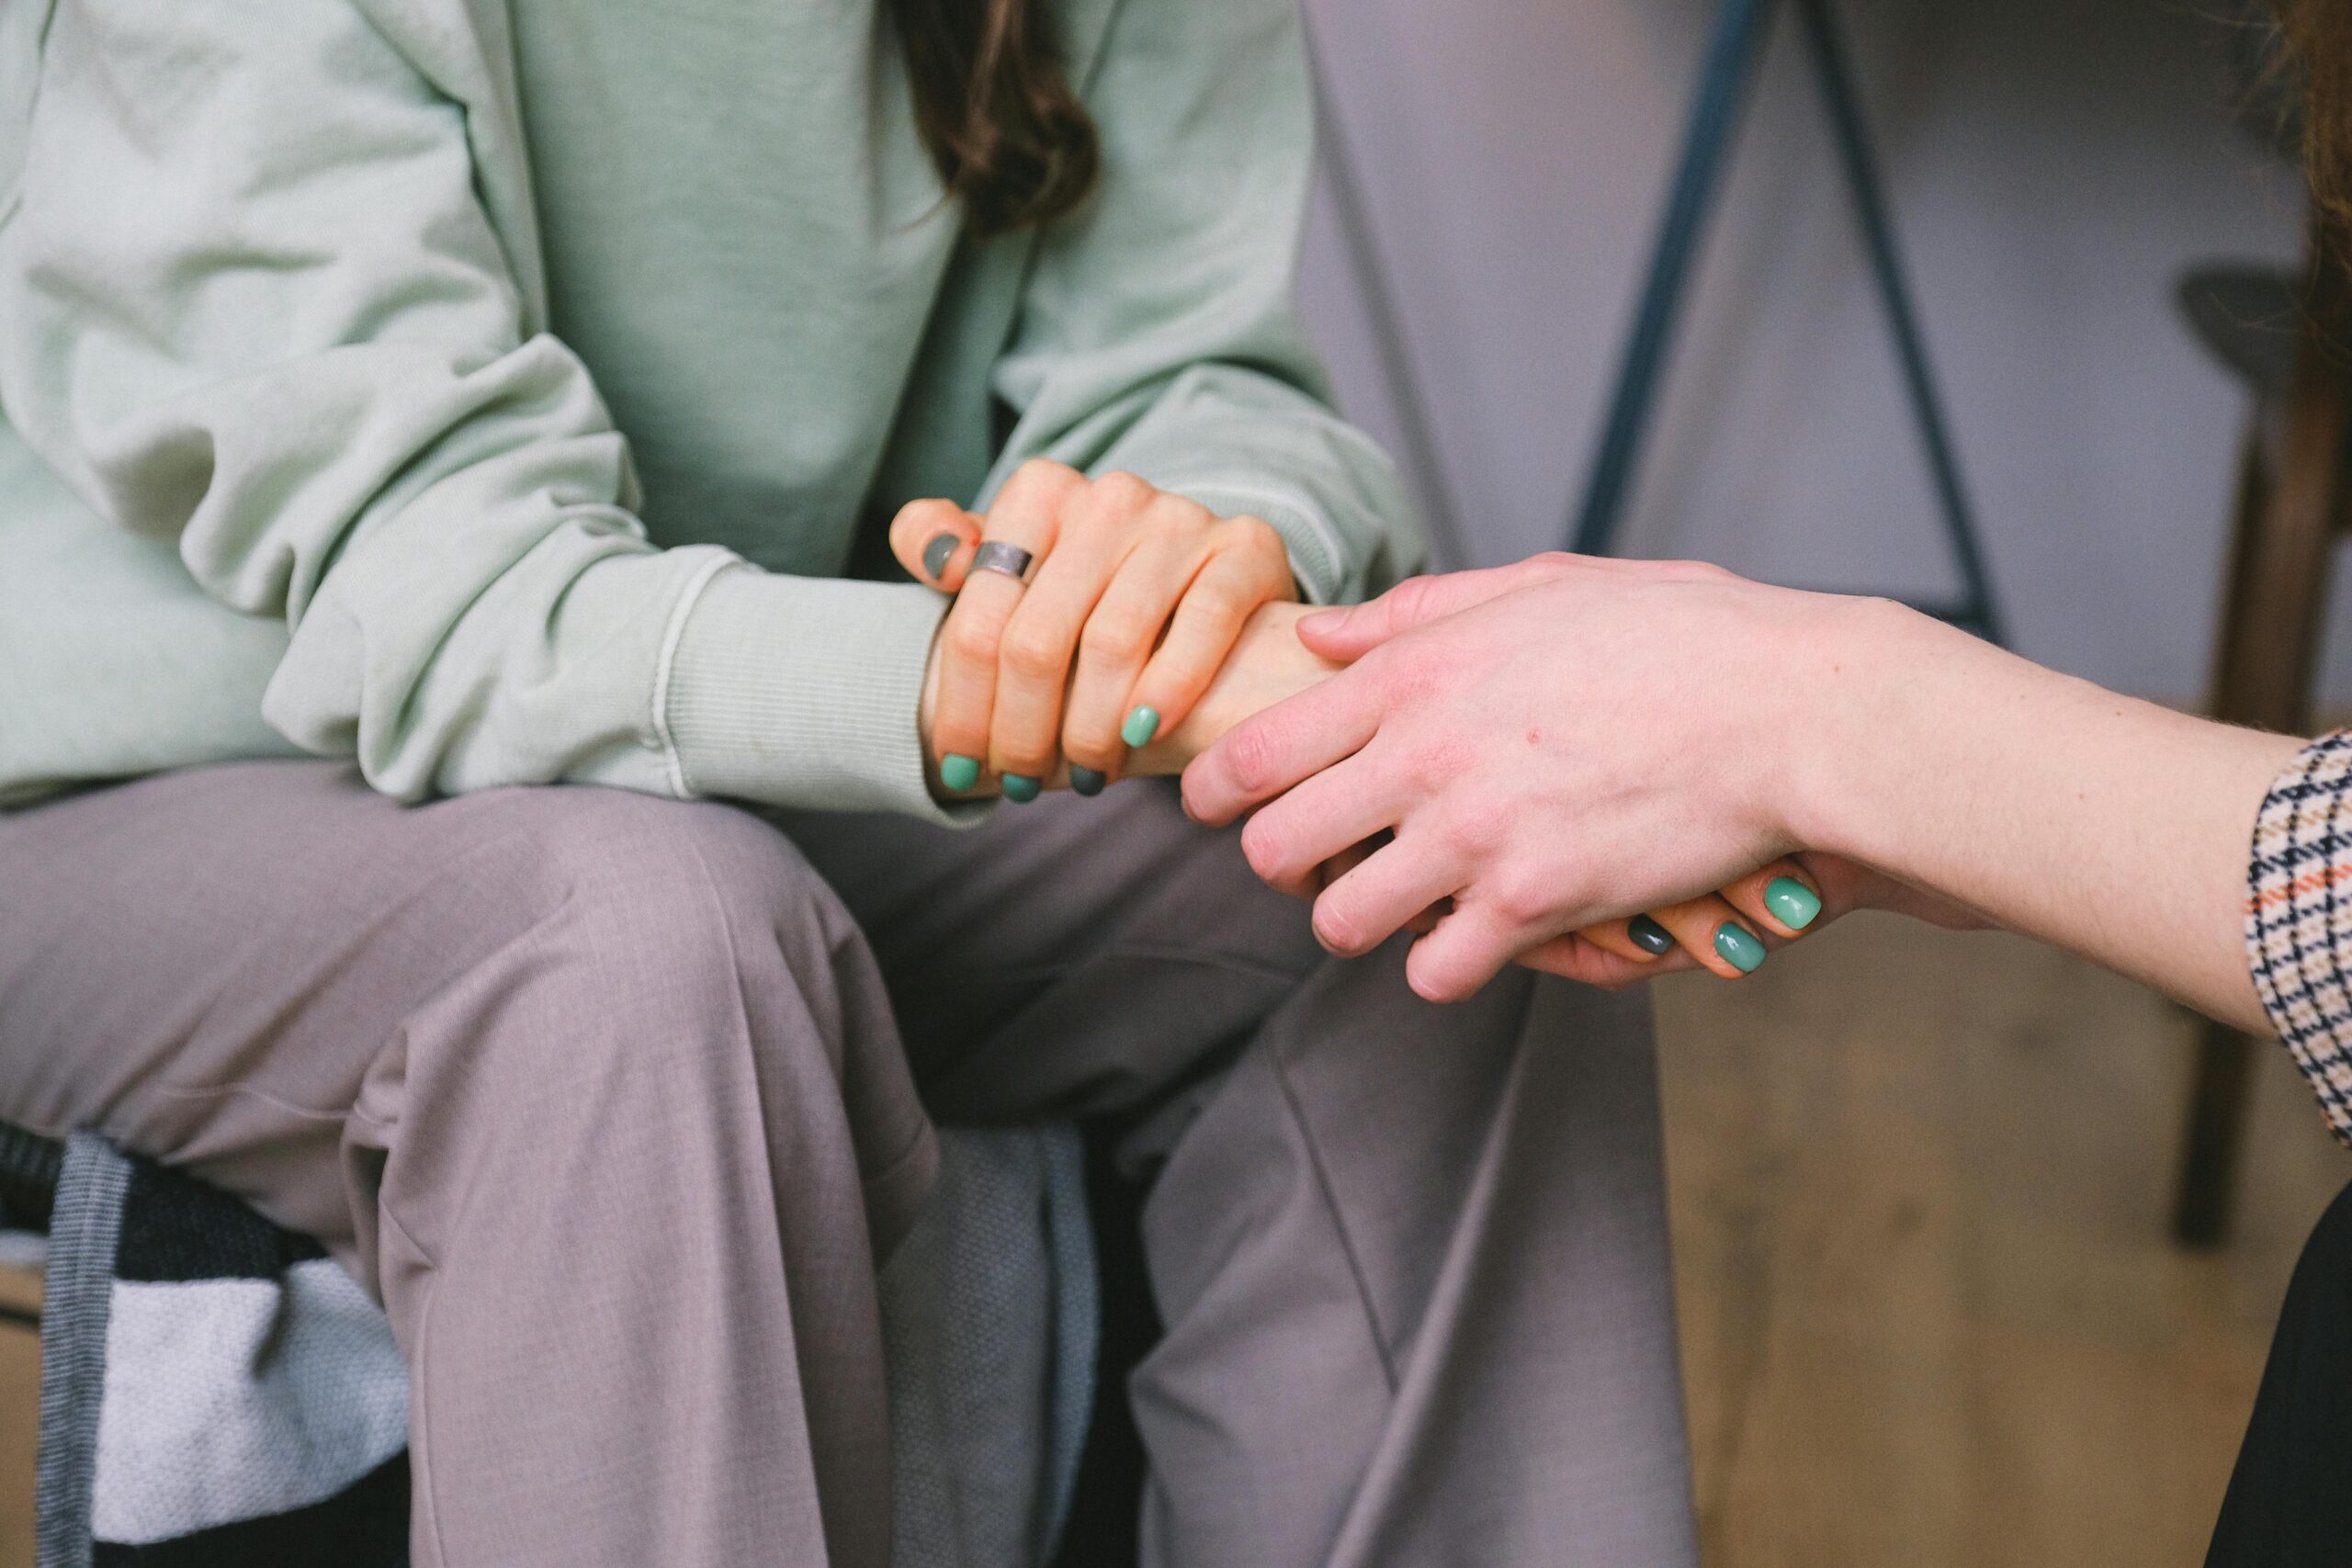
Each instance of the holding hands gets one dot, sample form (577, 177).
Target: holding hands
(1463, 741)
(1132, 602)
(1103, 627)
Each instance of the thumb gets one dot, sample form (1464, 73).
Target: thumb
(935, 541)
(1347, 634)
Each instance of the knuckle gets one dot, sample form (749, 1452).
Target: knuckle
(1118, 639)
(972, 639)
(1178, 517)
(1219, 601)
(1036, 652)
(1409, 673)
(1249, 755)
(1470, 833)
(1119, 495)
(1522, 900)
(1411, 597)
(1437, 764)
(1044, 473)
(1253, 536)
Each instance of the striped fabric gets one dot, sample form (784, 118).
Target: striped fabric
(2298, 919)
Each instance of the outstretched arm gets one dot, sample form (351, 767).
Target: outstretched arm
(1568, 741)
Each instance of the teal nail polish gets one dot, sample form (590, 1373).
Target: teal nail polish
(1086, 780)
(1020, 788)
(1141, 726)
(1739, 947)
(936, 553)
(1649, 936)
(1792, 904)
(959, 773)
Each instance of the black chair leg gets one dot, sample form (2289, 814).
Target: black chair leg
(1733, 54)
(1836, 76)
(1741, 27)
(2214, 1138)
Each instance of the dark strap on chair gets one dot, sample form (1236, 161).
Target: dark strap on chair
(29, 1164)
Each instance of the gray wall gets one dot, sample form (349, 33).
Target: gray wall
(2054, 164)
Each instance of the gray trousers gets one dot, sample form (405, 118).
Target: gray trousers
(616, 1102)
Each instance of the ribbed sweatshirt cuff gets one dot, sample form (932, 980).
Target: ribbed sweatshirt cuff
(803, 691)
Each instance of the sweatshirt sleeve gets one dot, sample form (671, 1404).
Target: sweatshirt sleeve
(1159, 331)
(251, 302)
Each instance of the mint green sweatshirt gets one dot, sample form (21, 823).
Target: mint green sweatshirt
(494, 391)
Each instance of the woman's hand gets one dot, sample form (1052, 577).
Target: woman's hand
(1565, 742)
(1136, 601)
(1689, 935)
(1474, 741)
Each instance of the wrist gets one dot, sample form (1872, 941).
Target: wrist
(1872, 673)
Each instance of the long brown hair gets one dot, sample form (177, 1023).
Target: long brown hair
(2319, 34)
(1010, 138)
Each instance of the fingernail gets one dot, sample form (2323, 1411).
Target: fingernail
(1739, 947)
(935, 553)
(1323, 621)
(1649, 936)
(1020, 788)
(1141, 726)
(1086, 780)
(1792, 904)
(959, 773)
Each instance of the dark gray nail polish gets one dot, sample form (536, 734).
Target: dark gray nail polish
(1086, 780)
(936, 553)
(1649, 936)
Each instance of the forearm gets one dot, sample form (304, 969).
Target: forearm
(2107, 826)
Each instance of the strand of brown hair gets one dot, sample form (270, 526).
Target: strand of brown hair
(995, 110)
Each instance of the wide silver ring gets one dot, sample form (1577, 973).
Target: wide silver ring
(995, 555)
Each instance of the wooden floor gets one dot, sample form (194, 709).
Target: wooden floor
(1929, 1314)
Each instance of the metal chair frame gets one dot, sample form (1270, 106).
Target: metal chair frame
(1735, 52)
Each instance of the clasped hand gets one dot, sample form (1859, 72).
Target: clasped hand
(1136, 601)
(1418, 792)
(1541, 750)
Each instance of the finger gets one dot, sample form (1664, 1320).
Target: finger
(1340, 864)
(1248, 569)
(1393, 887)
(1269, 751)
(1711, 931)
(1117, 643)
(1778, 900)
(1354, 799)
(1612, 936)
(1468, 948)
(1025, 515)
(1040, 640)
(1346, 635)
(935, 541)
(1577, 956)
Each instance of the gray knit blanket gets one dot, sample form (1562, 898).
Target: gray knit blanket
(216, 1391)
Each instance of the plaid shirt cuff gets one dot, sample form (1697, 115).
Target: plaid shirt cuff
(2298, 919)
